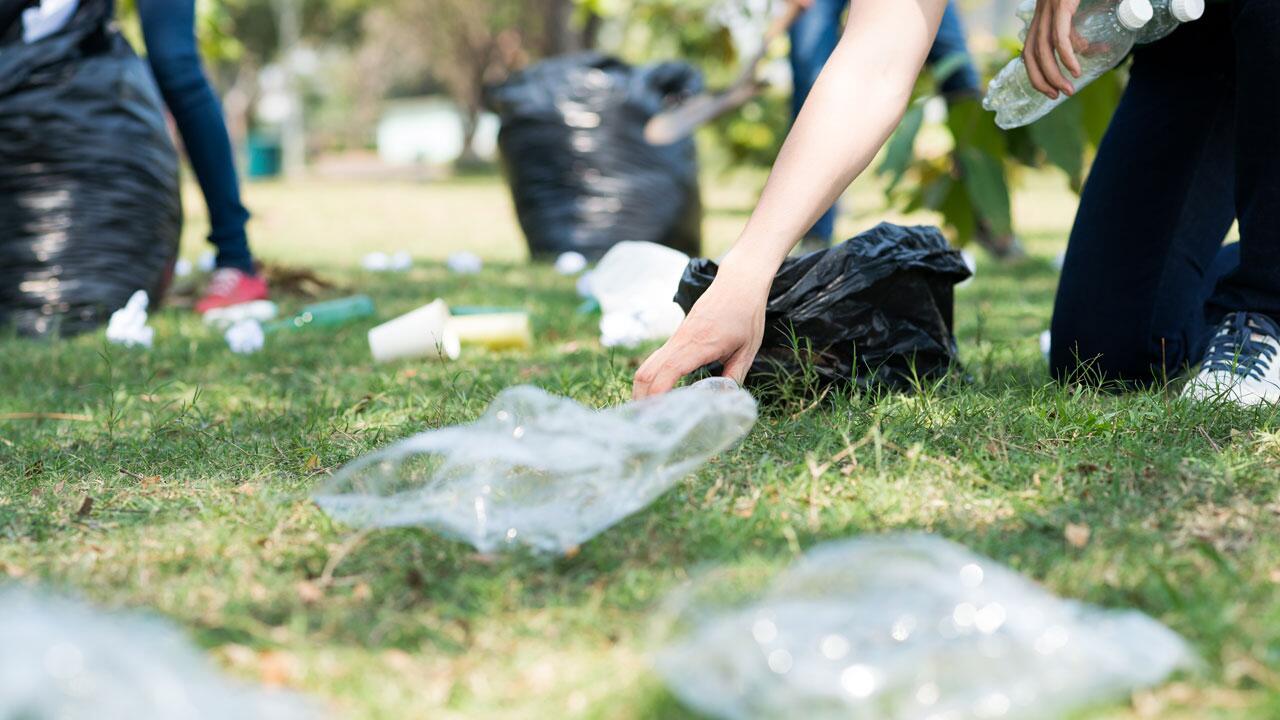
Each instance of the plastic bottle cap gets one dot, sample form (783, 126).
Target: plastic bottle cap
(1186, 10)
(1134, 14)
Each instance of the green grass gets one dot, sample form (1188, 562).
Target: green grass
(199, 465)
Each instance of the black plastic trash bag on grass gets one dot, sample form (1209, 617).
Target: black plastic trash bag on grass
(581, 173)
(875, 310)
(89, 205)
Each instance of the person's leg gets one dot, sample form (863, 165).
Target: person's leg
(813, 38)
(1152, 216)
(960, 79)
(168, 27)
(1255, 284)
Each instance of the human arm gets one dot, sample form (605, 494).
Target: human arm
(851, 111)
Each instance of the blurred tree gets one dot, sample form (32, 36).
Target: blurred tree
(463, 44)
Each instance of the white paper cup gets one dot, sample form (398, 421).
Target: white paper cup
(497, 331)
(425, 332)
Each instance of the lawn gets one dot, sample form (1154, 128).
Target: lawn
(199, 465)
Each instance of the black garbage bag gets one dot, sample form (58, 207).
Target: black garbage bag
(89, 203)
(581, 173)
(875, 310)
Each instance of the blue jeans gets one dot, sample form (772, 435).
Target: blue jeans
(168, 26)
(1191, 148)
(813, 39)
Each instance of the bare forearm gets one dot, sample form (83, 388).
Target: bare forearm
(851, 111)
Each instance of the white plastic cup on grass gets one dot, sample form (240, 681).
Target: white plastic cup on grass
(423, 333)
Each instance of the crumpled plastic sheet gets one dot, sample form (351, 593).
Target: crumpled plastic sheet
(538, 470)
(128, 325)
(46, 18)
(62, 659)
(582, 175)
(245, 337)
(571, 263)
(904, 627)
(634, 284)
(89, 203)
(464, 263)
(970, 262)
(876, 310)
(400, 261)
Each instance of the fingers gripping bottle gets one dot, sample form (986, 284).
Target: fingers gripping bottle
(1169, 14)
(1103, 33)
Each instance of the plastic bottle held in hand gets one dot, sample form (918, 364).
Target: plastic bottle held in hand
(1104, 31)
(1169, 14)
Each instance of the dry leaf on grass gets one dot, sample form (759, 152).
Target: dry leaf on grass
(276, 668)
(1077, 535)
(309, 592)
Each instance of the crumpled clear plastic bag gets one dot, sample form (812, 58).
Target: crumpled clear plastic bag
(128, 325)
(538, 470)
(63, 659)
(903, 626)
(634, 284)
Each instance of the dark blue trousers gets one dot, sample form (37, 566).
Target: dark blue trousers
(1193, 146)
(168, 26)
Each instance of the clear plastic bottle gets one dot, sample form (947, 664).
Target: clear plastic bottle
(1169, 14)
(1026, 11)
(1109, 31)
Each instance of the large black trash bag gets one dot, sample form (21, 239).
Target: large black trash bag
(89, 203)
(581, 173)
(875, 310)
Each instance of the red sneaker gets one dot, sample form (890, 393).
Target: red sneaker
(230, 286)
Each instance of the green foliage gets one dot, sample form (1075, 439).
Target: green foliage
(971, 186)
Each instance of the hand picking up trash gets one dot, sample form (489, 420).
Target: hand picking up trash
(1184, 90)
(875, 310)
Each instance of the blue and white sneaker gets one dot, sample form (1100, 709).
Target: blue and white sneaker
(1242, 364)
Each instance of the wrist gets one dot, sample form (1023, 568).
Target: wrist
(746, 275)
(751, 267)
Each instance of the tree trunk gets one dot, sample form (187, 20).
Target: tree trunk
(470, 125)
(293, 134)
(237, 103)
(559, 37)
(591, 31)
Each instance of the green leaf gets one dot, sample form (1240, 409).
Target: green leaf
(973, 127)
(901, 147)
(984, 183)
(948, 66)
(1061, 135)
(957, 212)
(1022, 149)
